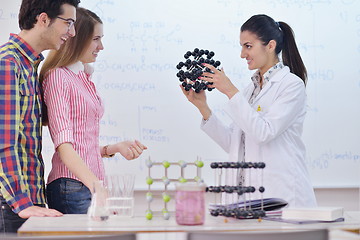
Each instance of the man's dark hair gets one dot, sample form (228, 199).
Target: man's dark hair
(30, 9)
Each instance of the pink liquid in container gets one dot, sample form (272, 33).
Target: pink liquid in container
(190, 203)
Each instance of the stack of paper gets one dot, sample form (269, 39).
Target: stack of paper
(318, 213)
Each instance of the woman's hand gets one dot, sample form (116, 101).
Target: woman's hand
(199, 101)
(130, 149)
(220, 81)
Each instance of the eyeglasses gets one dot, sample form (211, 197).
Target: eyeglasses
(70, 22)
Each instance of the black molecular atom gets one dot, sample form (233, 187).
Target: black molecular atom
(191, 69)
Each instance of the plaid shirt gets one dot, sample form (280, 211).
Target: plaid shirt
(22, 168)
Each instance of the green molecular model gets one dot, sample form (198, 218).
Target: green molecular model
(149, 215)
(167, 180)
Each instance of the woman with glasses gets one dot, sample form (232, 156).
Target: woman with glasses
(74, 110)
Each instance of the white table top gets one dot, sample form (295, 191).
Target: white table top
(81, 224)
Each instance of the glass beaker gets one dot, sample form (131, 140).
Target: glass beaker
(120, 201)
(98, 209)
(190, 203)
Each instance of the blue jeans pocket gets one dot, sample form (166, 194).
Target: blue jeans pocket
(72, 186)
(68, 196)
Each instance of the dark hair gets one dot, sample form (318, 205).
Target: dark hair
(266, 29)
(30, 9)
(71, 51)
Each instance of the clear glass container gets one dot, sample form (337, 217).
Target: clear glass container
(98, 209)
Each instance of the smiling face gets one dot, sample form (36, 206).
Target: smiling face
(60, 29)
(90, 54)
(257, 55)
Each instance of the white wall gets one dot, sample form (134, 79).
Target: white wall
(136, 76)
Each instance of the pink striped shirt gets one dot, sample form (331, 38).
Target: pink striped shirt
(74, 110)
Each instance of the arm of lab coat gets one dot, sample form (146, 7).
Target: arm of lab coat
(217, 131)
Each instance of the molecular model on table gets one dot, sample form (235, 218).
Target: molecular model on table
(167, 180)
(235, 201)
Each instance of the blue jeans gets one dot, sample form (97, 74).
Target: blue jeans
(10, 222)
(68, 196)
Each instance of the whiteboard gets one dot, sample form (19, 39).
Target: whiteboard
(145, 39)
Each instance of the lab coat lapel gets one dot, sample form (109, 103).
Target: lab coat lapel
(273, 80)
(263, 91)
(248, 91)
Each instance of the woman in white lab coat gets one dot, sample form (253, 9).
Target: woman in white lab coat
(268, 115)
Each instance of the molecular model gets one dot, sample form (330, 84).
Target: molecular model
(192, 69)
(166, 180)
(235, 200)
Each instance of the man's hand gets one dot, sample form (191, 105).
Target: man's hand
(39, 212)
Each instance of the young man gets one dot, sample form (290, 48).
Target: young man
(44, 24)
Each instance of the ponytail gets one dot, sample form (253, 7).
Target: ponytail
(290, 53)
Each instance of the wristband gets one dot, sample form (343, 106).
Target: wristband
(106, 155)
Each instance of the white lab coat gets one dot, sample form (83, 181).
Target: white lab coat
(272, 135)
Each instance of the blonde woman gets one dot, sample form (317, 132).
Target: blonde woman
(74, 110)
